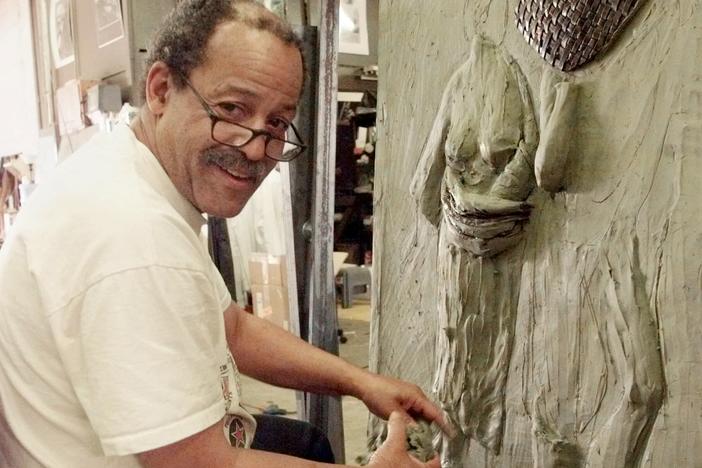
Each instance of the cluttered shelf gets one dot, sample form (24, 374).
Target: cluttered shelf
(355, 163)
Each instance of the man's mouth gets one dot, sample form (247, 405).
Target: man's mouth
(236, 166)
(236, 174)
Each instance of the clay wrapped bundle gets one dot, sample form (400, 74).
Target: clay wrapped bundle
(420, 445)
(570, 33)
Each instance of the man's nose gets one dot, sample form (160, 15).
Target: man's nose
(255, 149)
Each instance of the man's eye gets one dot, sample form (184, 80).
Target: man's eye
(232, 109)
(279, 125)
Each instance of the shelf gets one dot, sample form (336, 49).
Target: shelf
(354, 83)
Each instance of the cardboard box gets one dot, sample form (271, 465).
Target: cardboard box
(271, 303)
(69, 105)
(267, 269)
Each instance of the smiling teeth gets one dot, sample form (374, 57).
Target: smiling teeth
(237, 175)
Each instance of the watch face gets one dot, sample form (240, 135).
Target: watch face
(570, 33)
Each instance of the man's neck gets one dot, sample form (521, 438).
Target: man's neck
(144, 128)
(140, 130)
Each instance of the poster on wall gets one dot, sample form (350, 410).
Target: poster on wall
(68, 108)
(61, 31)
(108, 20)
(353, 27)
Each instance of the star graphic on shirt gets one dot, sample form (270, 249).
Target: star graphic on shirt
(237, 434)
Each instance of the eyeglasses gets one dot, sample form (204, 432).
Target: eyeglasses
(284, 147)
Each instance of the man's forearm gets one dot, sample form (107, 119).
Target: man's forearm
(270, 354)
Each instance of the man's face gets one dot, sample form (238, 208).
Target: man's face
(250, 77)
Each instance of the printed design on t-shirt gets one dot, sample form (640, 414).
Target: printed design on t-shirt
(234, 425)
(235, 372)
(226, 390)
(236, 432)
(226, 373)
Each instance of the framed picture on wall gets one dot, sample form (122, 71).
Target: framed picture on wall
(353, 27)
(276, 6)
(61, 32)
(108, 21)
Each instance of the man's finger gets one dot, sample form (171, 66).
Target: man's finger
(434, 462)
(397, 426)
(430, 412)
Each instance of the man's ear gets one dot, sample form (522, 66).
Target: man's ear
(159, 85)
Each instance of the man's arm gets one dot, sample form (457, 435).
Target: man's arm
(270, 354)
(209, 449)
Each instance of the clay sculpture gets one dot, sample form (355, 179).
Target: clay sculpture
(475, 174)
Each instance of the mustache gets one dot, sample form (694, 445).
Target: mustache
(232, 159)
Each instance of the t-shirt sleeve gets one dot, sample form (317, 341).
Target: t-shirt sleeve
(220, 287)
(142, 348)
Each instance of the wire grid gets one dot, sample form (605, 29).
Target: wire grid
(570, 33)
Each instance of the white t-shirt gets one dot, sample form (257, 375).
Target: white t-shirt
(112, 337)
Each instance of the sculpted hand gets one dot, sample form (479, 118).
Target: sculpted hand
(393, 453)
(385, 395)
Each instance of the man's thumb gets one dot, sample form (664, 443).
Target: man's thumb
(397, 426)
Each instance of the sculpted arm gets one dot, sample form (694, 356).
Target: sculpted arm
(426, 183)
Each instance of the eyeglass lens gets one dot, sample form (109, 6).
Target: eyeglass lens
(234, 135)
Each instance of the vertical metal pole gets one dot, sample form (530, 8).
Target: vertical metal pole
(324, 411)
(221, 251)
(292, 265)
(308, 190)
(298, 179)
(298, 194)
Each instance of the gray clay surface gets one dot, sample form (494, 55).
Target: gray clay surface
(579, 344)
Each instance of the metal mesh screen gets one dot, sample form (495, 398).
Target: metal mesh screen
(570, 33)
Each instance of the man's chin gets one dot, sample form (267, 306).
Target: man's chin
(220, 209)
(223, 204)
(225, 212)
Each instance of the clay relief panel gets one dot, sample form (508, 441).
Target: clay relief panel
(483, 158)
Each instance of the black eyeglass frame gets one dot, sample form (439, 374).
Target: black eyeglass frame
(255, 133)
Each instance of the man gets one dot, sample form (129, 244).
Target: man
(116, 332)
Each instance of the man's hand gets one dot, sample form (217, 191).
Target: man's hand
(393, 453)
(384, 395)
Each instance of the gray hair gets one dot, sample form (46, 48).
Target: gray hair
(182, 38)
